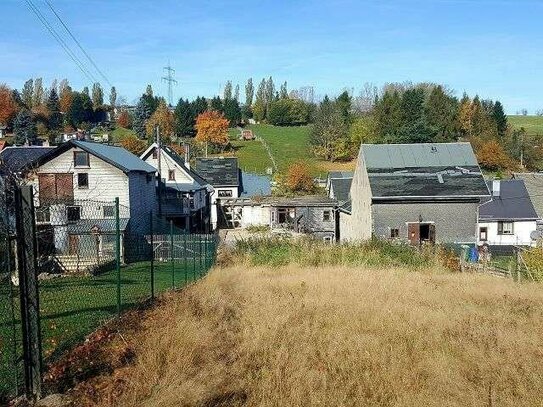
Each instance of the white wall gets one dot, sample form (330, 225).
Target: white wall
(255, 216)
(520, 236)
(106, 182)
(358, 226)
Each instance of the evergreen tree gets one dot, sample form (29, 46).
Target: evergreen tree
(270, 91)
(53, 106)
(24, 128)
(232, 111)
(388, 116)
(142, 113)
(500, 118)
(149, 91)
(198, 105)
(236, 93)
(249, 92)
(440, 113)
(97, 96)
(228, 90)
(80, 110)
(283, 94)
(465, 115)
(38, 94)
(414, 128)
(344, 104)
(113, 97)
(184, 118)
(85, 91)
(27, 93)
(216, 104)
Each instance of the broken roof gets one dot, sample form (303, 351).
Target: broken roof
(427, 170)
(513, 203)
(219, 171)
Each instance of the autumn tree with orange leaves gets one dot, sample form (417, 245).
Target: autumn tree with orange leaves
(492, 156)
(212, 128)
(133, 144)
(163, 118)
(124, 120)
(298, 179)
(8, 106)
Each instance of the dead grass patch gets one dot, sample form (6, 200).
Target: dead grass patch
(296, 336)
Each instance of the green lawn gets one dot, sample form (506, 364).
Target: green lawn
(532, 124)
(120, 132)
(72, 307)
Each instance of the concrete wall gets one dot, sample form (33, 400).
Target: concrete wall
(255, 216)
(454, 222)
(520, 236)
(359, 222)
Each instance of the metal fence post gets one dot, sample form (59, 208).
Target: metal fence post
(152, 255)
(118, 253)
(185, 255)
(171, 254)
(29, 289)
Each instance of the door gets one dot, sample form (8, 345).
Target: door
(73, 244)
(413, 233)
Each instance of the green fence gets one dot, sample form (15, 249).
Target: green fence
(94, 260)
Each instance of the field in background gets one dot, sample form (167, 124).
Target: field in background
(247, 336)
(532, 124)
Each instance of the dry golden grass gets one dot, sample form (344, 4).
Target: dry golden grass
(338, 337)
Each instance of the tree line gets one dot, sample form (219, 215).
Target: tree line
(35, 112)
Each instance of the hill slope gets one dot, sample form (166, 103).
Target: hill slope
(334, 337)
(532, 124)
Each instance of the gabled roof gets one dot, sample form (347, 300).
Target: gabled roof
(533, 181)
(513, 203)
(219, 171)
(116, 156)
(341, 187)
(15, 159)
(426, 171)
(179, 162)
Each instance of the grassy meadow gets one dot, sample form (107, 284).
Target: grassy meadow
(334, 336)
(532, 124)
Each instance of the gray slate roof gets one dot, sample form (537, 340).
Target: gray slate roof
(14, 159)
(513, 203)
(255, 184)
(533, 181)
(440, 170)
(219, 171)
(341, 188)
(116, 156)
(340, 174)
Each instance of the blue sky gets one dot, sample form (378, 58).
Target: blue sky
(493, 48)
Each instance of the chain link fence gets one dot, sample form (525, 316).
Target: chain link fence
(92, 260)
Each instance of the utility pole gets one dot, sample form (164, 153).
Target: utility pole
(168, 78)
(159, 158)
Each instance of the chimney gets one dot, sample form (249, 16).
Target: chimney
(187, 155)
(496, 187)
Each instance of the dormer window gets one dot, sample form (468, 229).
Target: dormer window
(155, 154)
(171, 175)
(81, 159)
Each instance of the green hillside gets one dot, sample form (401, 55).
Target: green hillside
(532, 124)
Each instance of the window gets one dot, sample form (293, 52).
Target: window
(225, 193)
(109, 211)
(73, 213)
(81, 159)
(505, 228)
(394, 233)
(83, 180)
(155, 154)
(43, 215)
(171, 175)
(483, 234)
(326, 216)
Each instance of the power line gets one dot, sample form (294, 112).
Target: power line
(78, 43)
(63, 44)
(170, 80)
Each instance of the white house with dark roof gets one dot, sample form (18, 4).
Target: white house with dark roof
(415, 193)
(75, 186)
(508, 218)
(224, 175)
(184, 195)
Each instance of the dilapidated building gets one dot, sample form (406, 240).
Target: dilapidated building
(415, 193)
